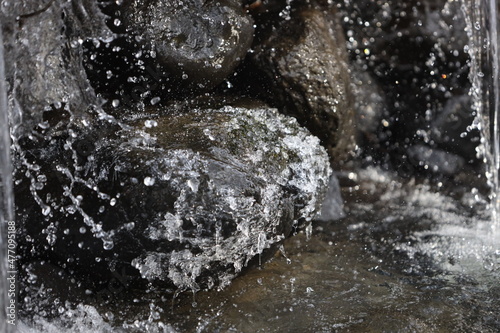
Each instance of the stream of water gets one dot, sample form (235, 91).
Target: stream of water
(405, 247)
(494, 60)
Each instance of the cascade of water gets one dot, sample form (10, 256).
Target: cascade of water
(482, 29)
(6, 193)
(494, 89)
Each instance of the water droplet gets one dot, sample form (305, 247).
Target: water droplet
(148, 181)
(155, 100)
(309, 230)
(46, 210)
(184, 76)
(193, 184)
(112, 202)
(117, 22)
(150, 123)
(107, 244)
(129, 226)
(71, 209)
(115, 103)
(83, 230)
(51, 239)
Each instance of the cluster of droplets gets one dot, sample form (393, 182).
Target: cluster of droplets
(481, 20)
(292, 151)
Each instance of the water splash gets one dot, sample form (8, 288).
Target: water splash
(495, 107)
(482, 30)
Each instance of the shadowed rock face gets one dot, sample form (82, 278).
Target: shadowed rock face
(45, 59)
(200, 42)
(184, 199)
(306, 61)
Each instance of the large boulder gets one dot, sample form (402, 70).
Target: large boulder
(176, 198)
(199, 42)
(305, 59)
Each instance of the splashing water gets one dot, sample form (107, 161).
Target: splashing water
(457, 243)
(495, 108)
(482, 30)
(473, 242)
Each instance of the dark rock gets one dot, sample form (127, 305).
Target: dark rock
(199, 42)
(306, 61)
(187, 199)
(50, 74)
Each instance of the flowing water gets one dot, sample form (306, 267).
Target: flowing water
(482, 24)
(410, 255)
(495, 106)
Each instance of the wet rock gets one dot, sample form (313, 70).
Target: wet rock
(306, 62)
(199, 42)
(50, 74)
(185, 199)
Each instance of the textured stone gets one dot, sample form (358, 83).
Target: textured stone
(199, 42)
(305, 58)
(50, 74)
(187, 199)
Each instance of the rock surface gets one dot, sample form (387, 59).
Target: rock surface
(199, 42)
(50, 74)
(186, 199)
(305, 60)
